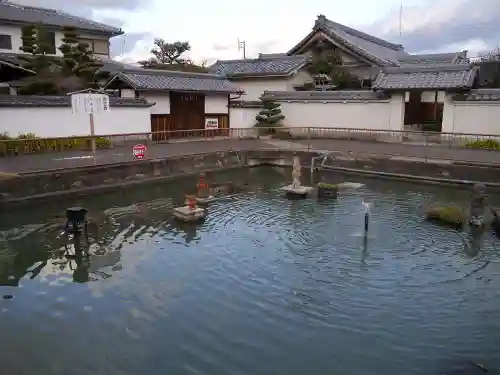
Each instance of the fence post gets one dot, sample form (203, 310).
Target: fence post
(309, 139)
(426, 145)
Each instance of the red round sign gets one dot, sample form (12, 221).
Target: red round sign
(139, 151)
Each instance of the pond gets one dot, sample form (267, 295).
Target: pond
(265, 285)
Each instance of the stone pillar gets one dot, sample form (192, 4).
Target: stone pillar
(477, 205)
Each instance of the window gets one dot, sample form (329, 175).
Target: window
(5, 41)
(50, 39)
(101, 47)
(98, 46)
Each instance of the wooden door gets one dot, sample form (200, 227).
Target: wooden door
(188, 113)
(161, 125)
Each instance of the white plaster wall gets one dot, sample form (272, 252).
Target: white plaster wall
(216, 104)
(254, 88)
(471, 118)
(61, 122)
(162, 100)
(242, 118)
(380, 115)
(15, 33)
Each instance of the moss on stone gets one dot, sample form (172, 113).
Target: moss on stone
(327, 190)
(449, 215)
(325, 186)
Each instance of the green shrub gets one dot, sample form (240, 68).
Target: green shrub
(27, 136)
(487, 144)
(101, 142)
(4, 136)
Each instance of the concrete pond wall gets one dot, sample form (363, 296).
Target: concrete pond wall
(49, 185)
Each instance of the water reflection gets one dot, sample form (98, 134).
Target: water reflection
(258, 279)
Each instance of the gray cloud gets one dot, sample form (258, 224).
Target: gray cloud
(442, 23)
(224, 46)
(123, 44)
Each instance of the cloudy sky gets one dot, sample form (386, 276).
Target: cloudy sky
(213, 28)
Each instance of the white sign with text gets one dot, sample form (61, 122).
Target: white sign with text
(212, 123)
(89, 103)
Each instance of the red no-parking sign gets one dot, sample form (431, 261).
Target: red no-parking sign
(139, 151)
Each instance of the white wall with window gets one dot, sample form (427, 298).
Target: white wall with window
(11, 40)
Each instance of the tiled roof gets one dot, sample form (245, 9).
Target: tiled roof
(376, 50)
(355, 95)
(64, 101)
(479, 95)
(263, 66)
(246, 104)
(11, 12)
(436, 59)
(149, 79)
(437, 77)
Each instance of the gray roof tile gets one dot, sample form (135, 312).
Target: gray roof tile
(149, 79)
(265, 65)
(11, 12)
(246, 104)
(435, 59)
(488, 95)
(436, 77)
(64, 101)
(355, 95)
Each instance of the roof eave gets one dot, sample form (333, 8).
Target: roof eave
(109, 33)
(145, 89)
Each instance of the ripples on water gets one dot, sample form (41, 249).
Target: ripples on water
(264, 286)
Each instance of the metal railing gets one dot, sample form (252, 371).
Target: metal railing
(24, 155)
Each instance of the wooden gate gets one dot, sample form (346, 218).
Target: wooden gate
(188, 114)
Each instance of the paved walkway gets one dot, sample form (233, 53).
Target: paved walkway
(71, 159)
(35, 162)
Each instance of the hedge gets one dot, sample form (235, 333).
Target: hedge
(31, 144)
(488, 144)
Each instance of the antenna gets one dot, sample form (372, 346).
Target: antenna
(242, 45)
(401, 20)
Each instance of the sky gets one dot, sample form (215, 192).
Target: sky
(213, 28)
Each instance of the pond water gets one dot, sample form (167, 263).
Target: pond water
(265, 285)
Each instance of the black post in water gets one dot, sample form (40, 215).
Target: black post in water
(367, 220)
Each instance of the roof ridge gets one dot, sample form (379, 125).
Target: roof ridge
(361, 34)
(428, 68)
(162, 72)
(261, 59)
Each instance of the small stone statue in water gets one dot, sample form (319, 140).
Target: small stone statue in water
(477, 205)
(296, 172)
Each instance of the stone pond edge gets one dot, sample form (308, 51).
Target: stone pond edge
(130, 174)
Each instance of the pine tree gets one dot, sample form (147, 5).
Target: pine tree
(270, 115)
(79, 61)
(37, 59)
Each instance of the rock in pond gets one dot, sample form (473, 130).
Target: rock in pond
(452, 216)
(327, 190)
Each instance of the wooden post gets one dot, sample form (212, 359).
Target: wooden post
(92, 134)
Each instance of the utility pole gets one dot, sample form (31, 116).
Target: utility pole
(401, 20)
(242, 45)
